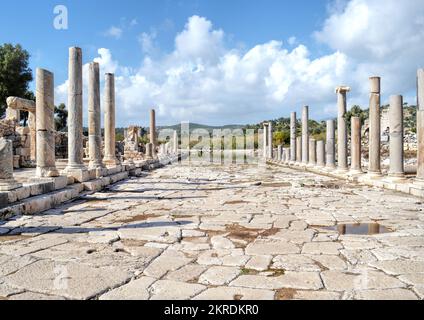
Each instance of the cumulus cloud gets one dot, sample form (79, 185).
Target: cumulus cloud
(202, 80)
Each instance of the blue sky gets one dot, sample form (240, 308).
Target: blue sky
(217, 61)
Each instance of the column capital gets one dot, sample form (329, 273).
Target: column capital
(342, 89)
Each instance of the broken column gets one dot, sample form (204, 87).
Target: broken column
(356, 147)
(110, 139)
(320, 154)
(330, 148)
(7, 182)
(312, 152)
(375, 128)
(94, 124)
(149, 151)
(293, 122)
(342, 164)
(45, 125)
(76, 167)
(299, 149)
(153, 139)
(420, 124)
(305, 135)
(397, 168)
(270, 141)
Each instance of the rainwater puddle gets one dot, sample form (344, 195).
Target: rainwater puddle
(359, 229)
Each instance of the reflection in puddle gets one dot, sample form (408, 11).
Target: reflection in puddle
(359, 229)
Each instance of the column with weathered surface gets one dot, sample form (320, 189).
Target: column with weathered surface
(270, 141)
(175, 142)
(420, 124)
(94, 124)
(312, 152)
(265, 141)
(7, 182)
(356, 147)
(279, 153)
(299, 149)
(305, 135)
(375, 128)
(149, 151)
(76, 167)
(342, 164)
(293, 122)
(287, 159)
(110, 139)
(397, 167)
(320, 153)
(45, 125)
(330, 148)
(153, 139)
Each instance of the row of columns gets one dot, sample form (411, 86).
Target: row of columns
(309, 152)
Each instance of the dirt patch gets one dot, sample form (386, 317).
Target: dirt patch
(13, 238)
(248, 272)
(270, 232)
(238, 232)
(285, 294)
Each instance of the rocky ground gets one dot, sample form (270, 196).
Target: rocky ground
(205, 232)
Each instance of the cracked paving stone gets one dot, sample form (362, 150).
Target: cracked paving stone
(330, 248)
(387, 294)
(135, 290)
(234, 293)
(259, 247)
(218, 276)
(173, 290)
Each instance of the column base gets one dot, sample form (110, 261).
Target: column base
(9, 185)
(48, 172)
(59, 182)
(79, 174)
(396, 178)
(110, 162)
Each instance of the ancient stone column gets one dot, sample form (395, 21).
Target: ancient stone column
(265, 141)
(342, 164)
(94, 124)
(149, 151)
(397, 168)
(375, 128)
(420, 124)
(312, 152)
(299, 149)
(270, 141)
(293, 122)
(153, 139)
(287, 155)
(320, 153)
(175, 142)
(356, 147)
(279, 153)
(7, 182)
(331, 149)
(110, 140)
(75, 136)
(45, 125)
(305, 135)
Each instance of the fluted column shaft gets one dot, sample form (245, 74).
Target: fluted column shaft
(397, 168)
(375, 127)
(356, 147)
(110, 139)
(342, 164)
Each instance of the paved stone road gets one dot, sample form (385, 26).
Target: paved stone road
(208, 232)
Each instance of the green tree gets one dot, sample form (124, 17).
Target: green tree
(61, 117)
(15, 74)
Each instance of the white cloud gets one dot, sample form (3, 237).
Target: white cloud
(202, 80)
(114, 32)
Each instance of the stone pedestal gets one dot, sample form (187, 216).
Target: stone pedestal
(330, 147)
(342, 165)
(94, 124)
(7, 182)
(293, 123)
(110, 139)
(356, 147)
(45, 125)
(312, 152)
(320, 154)
(375, 129)
(397, 169)
(420, 125)
(76, 167)
(305, 135)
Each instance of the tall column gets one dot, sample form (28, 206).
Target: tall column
(342, 164)
(420, 124)
(45, 125)
(110, 139)
(305, 135)
(356, 147)
(320, 153)
(280, 153)
(7, 182)
(331, 149)
(375, 128)
(287, 157)
(153, 139)
(293, 123)
(75, 166)
(265, 141)
(175, 141)
(94, 124)
(312, 152)
(270, 141)
(397, 169)
(299, 149)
